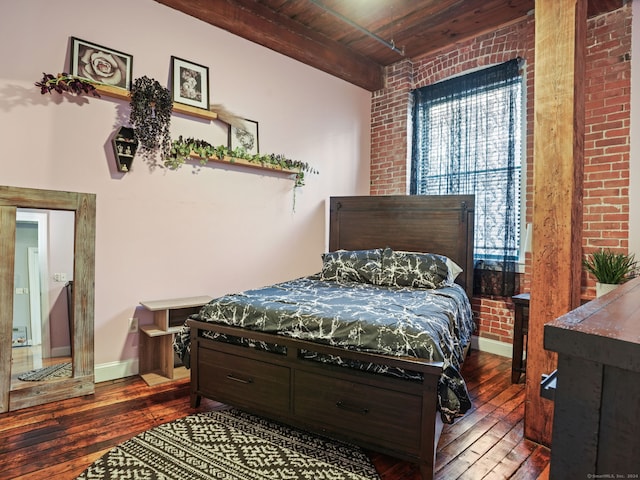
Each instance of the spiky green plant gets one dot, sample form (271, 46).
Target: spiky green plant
(610, 267)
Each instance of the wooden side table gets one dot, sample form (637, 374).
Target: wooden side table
(520, 330)
(156, 343)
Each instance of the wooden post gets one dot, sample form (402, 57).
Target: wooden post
(560, 47)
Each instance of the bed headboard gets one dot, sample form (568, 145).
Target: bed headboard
(440, 224)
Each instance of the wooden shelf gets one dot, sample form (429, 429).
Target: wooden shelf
(246, 163)
(157, 359)
(155, 331)
(122, 94)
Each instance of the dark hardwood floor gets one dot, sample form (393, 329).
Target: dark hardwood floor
(59, 440)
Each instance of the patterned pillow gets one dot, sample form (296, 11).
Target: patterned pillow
(418, 270)
(363, 266)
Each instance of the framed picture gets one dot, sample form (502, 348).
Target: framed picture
(246, 138)
(190, 83)
(100, 64)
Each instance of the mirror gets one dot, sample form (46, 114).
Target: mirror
(81, 299)
(41, 333)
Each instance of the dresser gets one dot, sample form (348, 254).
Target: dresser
(597, 397)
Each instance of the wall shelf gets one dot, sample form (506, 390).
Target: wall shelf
(245, 163)
(121, 94)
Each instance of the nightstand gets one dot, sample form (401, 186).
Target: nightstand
(520, 331)
(157, 358)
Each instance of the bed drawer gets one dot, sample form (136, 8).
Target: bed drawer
(363, 412)
(244, 382)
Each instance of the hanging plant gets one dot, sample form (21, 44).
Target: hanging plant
(64, 82)
(181, 150)
(151, 107)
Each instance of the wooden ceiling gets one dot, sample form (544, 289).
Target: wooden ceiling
(355, 39)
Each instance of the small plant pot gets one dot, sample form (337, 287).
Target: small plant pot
(124, 148)
(604, 288)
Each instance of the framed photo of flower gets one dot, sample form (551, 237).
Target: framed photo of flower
(246, 138)
(100, 64)
(190, 83)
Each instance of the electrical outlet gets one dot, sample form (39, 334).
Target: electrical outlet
(133, 325)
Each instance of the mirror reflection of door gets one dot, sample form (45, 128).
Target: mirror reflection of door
(44, 255)
(83, 206)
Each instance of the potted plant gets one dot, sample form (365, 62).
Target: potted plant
(610, 269)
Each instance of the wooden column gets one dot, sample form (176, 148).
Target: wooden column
(560, 39)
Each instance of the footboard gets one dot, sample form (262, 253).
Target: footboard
(378, 412)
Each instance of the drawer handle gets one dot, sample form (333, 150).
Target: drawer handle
(240, 380)
(351, 408)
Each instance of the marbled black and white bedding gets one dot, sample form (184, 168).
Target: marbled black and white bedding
(364, 314)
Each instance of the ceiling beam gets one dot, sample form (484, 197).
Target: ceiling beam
(598, 7)
(282, 34)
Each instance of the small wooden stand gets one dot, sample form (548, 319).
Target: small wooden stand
(157, 359)
(520, 331)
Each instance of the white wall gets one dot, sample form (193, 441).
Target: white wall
(165, 234)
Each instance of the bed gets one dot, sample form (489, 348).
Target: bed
(316, 353)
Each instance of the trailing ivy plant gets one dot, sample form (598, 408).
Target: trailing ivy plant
(63, 82)
(150, 116)
(181, 150)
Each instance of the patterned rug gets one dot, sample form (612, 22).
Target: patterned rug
(61, 370)
(231, 445)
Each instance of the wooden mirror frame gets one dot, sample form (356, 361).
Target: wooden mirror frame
(82, 348)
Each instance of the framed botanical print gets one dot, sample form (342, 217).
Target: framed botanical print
(190, 83)
(101, 64)
(247, 137)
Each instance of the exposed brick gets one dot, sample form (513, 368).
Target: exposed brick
(606, 143)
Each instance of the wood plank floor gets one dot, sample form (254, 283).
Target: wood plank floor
(60, 440)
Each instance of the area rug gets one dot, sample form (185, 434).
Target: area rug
(231, 445)
(61, 370)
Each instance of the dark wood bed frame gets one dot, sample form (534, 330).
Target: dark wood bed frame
(380, 413)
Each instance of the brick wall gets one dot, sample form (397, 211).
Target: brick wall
(607, 105)
(607, 141)
(390, 112)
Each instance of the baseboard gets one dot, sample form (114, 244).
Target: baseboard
(492, 346)
(114, 370)
(61, 351)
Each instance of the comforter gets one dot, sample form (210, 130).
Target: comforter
(430, 324)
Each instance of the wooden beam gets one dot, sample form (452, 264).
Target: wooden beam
(598, 7)
(560, 48)
(286, 36)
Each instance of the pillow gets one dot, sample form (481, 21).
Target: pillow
(454, 269)
(362, 266)
(417, 270)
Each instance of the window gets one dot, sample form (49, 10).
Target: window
(467, 139)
